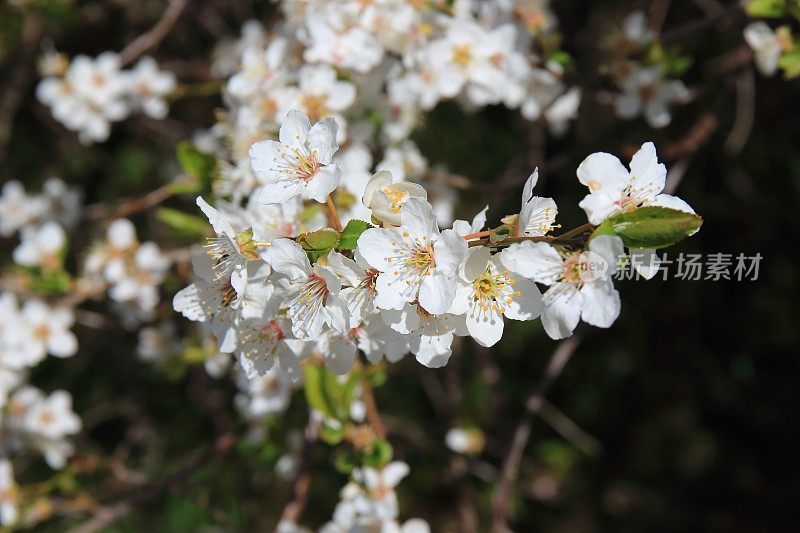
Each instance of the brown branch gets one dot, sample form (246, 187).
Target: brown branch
(373, 413)
(302, 484)
(155, 35)
(568, 429)
(129, 207)
(106, 516)
(745, 112)
(533, 406)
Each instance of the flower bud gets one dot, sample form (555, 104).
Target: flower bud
(385, 197)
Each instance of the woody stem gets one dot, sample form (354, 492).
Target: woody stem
(577, 231)
(478, 235)
(333, 216)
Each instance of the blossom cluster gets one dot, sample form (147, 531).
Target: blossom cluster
(29, 418)
(330, 239)
(642, 73)
(376, 68)
(132, 271)
(88, 94)
(403, 284)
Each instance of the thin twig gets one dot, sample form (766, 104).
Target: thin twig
(155, 35)
(302, 484)
(373, 413)
(533, 406)
(570, 430)
(129, 207)
(333, 215)
(745, 112)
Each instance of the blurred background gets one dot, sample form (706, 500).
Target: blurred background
(680, 417)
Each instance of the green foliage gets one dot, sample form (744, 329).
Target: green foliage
(650, 227)
(766, 8)
(672, 63)
(199, 166)
(351, 232)
(329, 394)
(318, 243)
(790, 63)
(183, 223)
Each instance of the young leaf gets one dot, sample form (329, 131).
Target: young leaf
(351, 232)
(313, 386)
(650, 227)
(199, 165)
(188, 225)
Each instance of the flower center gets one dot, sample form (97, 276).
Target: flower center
(647, 92)
(307, 166)
(228, 294)
(494, 290)
(314, 105)
(396, 196)
(41, 332)
(422, 258)
(572, 269)
(272, 331)
(462, 55)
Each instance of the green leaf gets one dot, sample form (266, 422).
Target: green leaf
(199, 165)
(331, 435)
(51, 283)
(562, 58)
(318, 243)
(345, 462)
(650, 227)
(351, 232)
(790, 64)
(381, 454)
(766, 8)
(181, 222)
(313, 387)
(499, 234)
